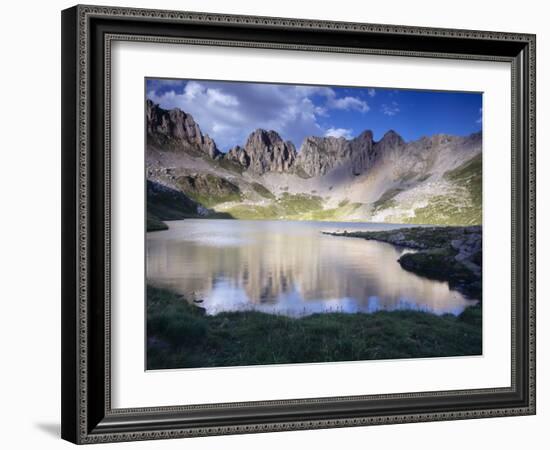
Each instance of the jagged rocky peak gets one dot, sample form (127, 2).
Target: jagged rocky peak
(238, 155)
(319, 155)
(265, 151)
(438, 140)
(464, 143)
(210, 147)
(178, 126)
(263, 138)
(362, 155)
(365, 136)
(391, 146)
(474, 139)
(391, 139)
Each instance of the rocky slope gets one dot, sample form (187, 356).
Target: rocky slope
(435, 180)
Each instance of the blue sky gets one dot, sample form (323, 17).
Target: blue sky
(230, 111)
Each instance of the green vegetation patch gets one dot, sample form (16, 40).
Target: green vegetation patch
(208, 189)
(386, 200)
(469, 175)
(294, 207)
(247, 211)
(445, 210)
(260, 189)
(450, 209)
(287, 206)
(334, 214)
(440, 264)
(166, 203)
(229, 165)
(462, 206)
(296, 204)
(180, 334)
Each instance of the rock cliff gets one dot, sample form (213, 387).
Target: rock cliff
(179, 128)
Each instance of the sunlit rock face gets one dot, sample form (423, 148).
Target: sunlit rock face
(265, 151)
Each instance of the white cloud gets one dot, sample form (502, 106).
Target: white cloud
(371, 92)
(339, 132)
(229, 112)
(348, 103)
(480, 116)
(390, 109)
(321, 111)
(344, 103)
(216, 97)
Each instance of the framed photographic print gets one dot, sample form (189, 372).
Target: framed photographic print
(280, 224)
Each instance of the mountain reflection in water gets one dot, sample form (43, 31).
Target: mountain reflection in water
(289, 268)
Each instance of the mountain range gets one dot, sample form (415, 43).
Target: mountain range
(433, 180)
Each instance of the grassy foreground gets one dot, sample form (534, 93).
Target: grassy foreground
(181, 335)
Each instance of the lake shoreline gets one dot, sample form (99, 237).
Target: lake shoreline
(291, 268)
(181, 335)
(451, 254)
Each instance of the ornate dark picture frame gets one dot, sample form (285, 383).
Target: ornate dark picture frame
(87, 34)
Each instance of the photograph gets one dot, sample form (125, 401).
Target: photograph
(273, 222)
(291, 224)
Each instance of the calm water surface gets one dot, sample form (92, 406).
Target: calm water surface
(289, 268)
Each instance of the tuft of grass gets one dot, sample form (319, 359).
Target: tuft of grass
(180, 335)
